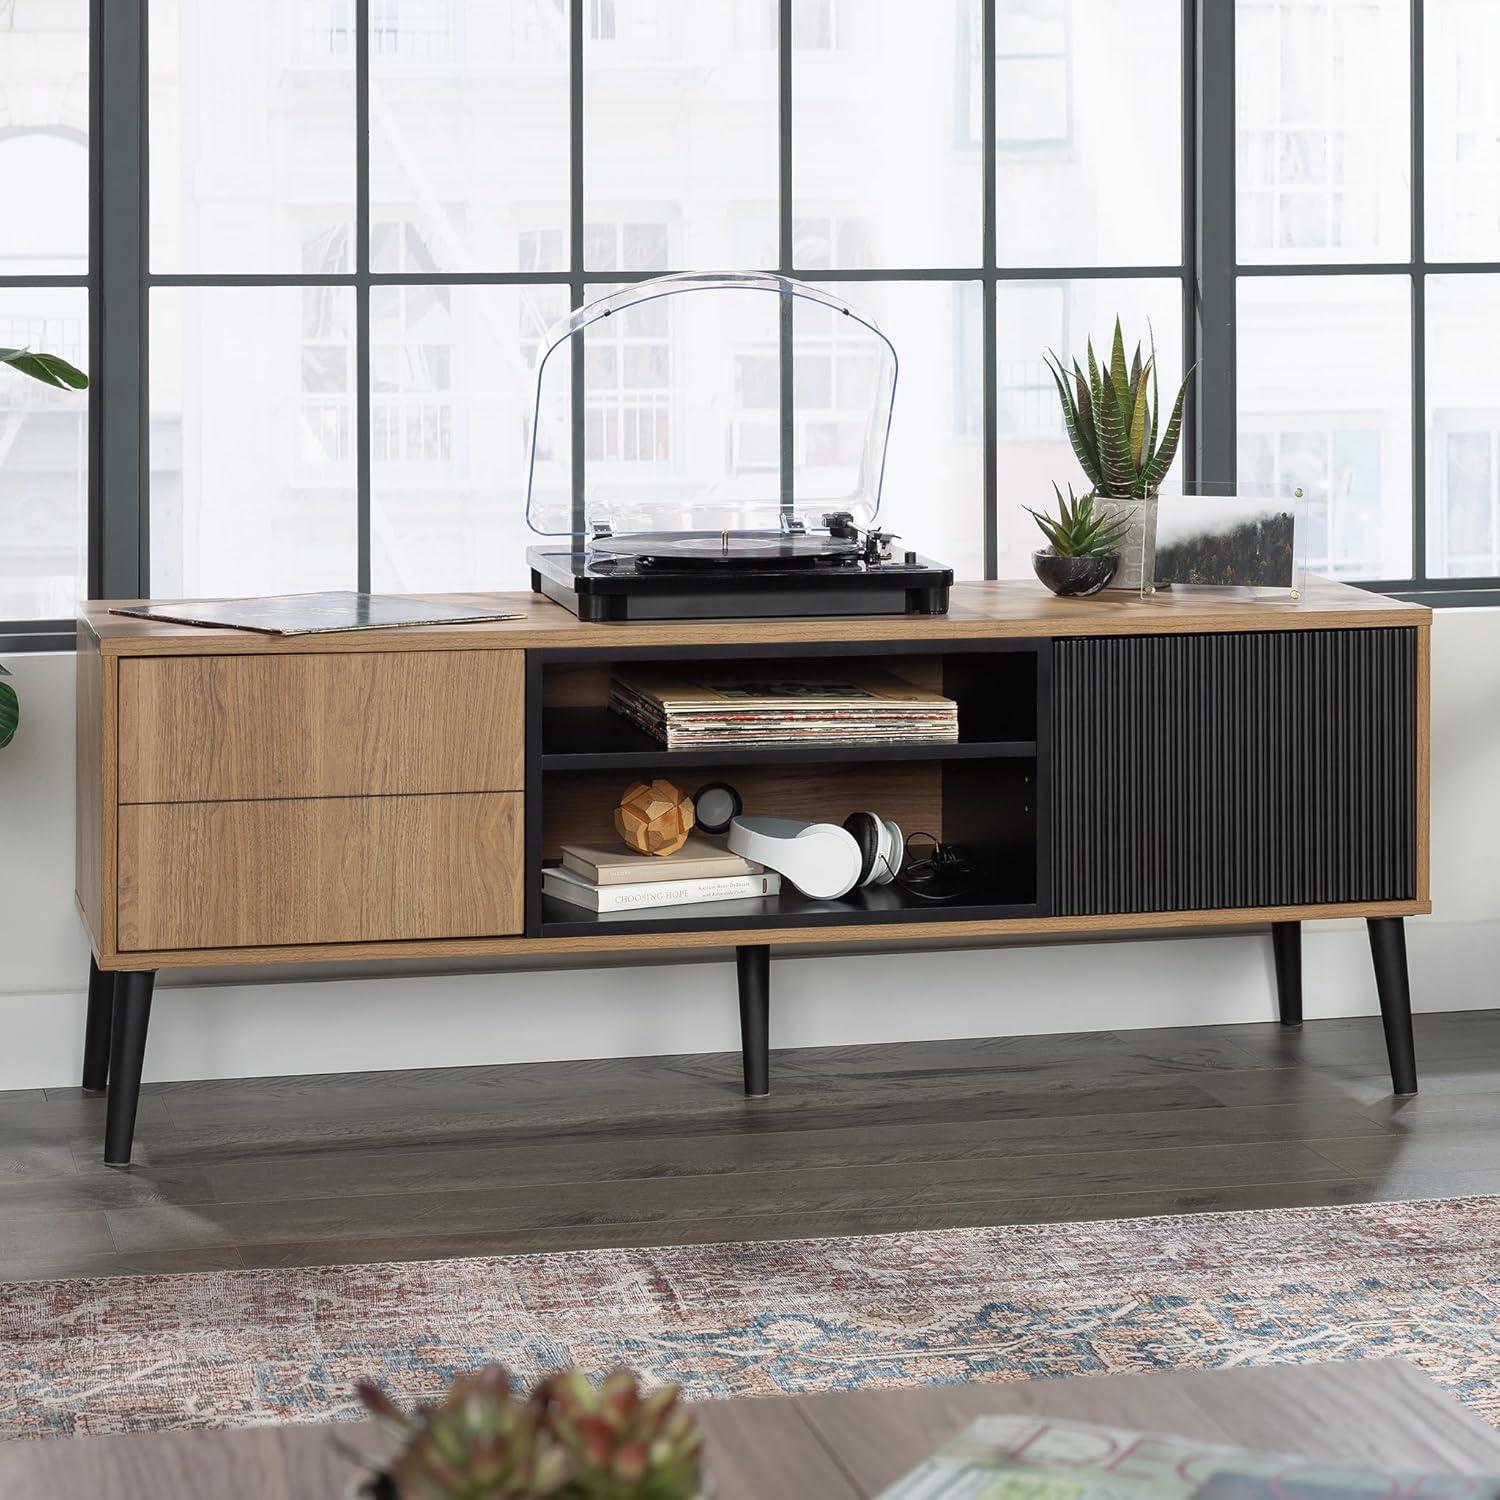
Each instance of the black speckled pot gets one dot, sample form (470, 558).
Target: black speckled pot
(1073, 577)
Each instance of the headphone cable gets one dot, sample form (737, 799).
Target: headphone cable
(943, 857)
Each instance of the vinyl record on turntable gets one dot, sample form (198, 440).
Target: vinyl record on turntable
(692, 551)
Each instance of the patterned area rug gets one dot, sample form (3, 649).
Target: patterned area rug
(1418, 1280)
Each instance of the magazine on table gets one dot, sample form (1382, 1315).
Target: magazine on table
(1040, 1458)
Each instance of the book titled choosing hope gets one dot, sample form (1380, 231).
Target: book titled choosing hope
(565, 885)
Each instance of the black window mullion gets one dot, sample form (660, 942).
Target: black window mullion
(785, 252)
(576, 280)
(38, 635)
(66, 280)
(362, 397)
(990, 295)
(94, 539)
(1418, 302)
(1189, 77)
(1215, 412)
(868, 273)
(119, 471)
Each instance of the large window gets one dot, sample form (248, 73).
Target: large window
(334, 233)
(1368, 235)
(44, 304)
(341, 343)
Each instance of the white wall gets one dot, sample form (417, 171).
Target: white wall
(206, 1030)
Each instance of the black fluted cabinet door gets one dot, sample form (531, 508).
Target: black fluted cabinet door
(1265, 768)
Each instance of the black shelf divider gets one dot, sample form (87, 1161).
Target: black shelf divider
(789, 909)
(598, 739)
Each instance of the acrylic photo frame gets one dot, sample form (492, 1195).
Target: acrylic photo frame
(1237, 541)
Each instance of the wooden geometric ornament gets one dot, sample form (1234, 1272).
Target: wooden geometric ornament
(654, 818)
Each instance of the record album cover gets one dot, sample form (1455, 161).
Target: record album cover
(307, 614)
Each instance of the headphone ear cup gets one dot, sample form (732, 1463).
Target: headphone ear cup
(865, 828)
(891, 853)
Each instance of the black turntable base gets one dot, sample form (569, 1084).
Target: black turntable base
(726, 575)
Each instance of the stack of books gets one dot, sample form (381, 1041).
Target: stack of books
(605, 879)
(856, 708)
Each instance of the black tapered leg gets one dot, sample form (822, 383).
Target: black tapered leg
(127, 1054)
(96, 1029)
(1388, 949)
(1286, 944)
(753, 964)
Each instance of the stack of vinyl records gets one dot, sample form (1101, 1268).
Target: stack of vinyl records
(723, 709)
(610, 879)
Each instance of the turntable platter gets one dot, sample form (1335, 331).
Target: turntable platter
(694, 551)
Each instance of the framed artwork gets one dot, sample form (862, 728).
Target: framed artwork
(1228, 541)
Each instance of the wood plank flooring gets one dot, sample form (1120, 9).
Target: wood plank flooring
(647, 1151)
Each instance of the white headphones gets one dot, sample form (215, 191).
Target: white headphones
(823, 860)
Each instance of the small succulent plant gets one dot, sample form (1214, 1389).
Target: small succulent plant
(480, 1442)
(624, 1445)
(567, 1440)
(1111, 418)
(1078, 530)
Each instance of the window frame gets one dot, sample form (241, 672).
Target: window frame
(119, 280)
(59, 635)
(1218, 235)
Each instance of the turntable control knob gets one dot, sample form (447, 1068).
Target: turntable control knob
(911, 559)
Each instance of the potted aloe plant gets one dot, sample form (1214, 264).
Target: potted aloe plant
(1084, 550)
(1112, 415)
(567, 1440)
(50, 370)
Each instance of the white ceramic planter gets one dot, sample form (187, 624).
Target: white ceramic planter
(1138, 548)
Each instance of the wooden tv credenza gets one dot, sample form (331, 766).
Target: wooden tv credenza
(1126, 765)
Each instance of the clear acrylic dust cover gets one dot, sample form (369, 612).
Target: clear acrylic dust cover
(683, 403)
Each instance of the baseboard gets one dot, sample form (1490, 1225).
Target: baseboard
(338, 1025)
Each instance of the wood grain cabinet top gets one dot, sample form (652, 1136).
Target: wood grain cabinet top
(227, 728)
(977, 611)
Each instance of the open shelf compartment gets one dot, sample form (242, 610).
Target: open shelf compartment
(986, 792)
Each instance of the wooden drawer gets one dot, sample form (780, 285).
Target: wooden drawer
(335, 724)
(337, 870)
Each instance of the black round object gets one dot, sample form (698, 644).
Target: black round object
(866, 833)
(716, 805)
(1074, 577)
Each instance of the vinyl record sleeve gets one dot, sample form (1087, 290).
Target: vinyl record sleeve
(724, 707)
(309, 614)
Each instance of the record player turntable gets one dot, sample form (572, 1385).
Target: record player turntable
(687, 502)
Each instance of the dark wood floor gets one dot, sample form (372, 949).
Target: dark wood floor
(495, 1160)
